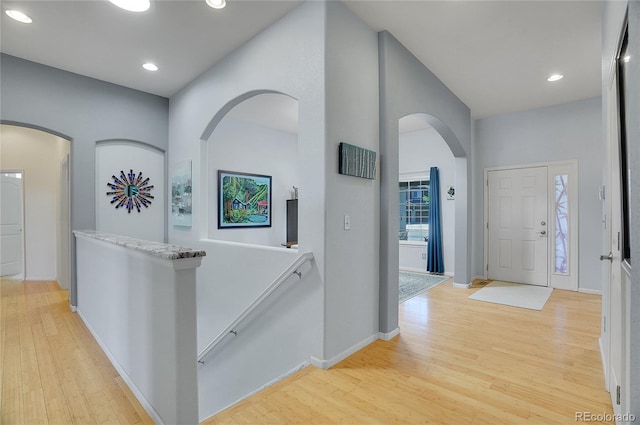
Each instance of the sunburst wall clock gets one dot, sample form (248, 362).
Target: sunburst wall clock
(130, 191)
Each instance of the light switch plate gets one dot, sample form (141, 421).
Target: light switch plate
(347, 222)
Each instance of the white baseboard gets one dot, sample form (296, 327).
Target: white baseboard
(326, 364)
(423, 271)
(263, 387)
(134, 389)
(387, 336)
(73, 308)
(40, 278)
(412, 270)
(462, 285)
(604, 364)
(590, 291)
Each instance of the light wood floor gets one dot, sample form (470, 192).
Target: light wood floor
(52, 370)
(456, 362)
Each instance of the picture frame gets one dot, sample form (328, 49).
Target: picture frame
(244, 200)
(451, 193)
(356, 161)
(181, 194)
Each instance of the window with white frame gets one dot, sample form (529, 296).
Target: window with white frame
(414, 210)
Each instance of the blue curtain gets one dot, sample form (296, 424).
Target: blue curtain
(435, 261)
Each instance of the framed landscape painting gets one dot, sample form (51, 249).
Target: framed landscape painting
(244, 200)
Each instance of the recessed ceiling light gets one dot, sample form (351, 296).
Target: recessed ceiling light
(132, 5)
(217, 4)
(19, 16)
(150, 66)
(555, 77)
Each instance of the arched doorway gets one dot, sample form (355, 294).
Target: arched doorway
(420, 148)
(42, 159)
(257, 141)
(389, 216)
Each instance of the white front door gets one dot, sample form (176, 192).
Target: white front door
(517, 233)
(11, 251)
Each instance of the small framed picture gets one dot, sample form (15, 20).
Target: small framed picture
(451, 193)
(181, 195)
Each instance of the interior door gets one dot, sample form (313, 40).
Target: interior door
(616, 305)
(618, 286)
(11, 239)
(517, 225)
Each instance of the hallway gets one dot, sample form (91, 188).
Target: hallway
(53, 371)
(456, 361)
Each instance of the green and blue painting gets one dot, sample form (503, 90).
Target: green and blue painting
(244, 200)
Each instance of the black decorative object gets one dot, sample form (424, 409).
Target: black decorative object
(130, 191)
(292, 221)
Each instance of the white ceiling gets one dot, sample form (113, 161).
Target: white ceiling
(494, 55)
(97, 39)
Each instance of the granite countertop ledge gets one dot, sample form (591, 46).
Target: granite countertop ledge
(157, 249)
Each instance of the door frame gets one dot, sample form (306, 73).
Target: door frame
(65, 237)
(570, 167)
(23, 253)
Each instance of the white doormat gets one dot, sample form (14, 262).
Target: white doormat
(513, 294)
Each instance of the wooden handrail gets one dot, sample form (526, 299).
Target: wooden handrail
(289, 271)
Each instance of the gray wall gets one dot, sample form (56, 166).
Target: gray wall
(83, 110)
(335, 309)
(351, 297)
(407, 87)
(564, 132)
(291, 58)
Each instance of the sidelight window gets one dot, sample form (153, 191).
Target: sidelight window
(562, 223)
